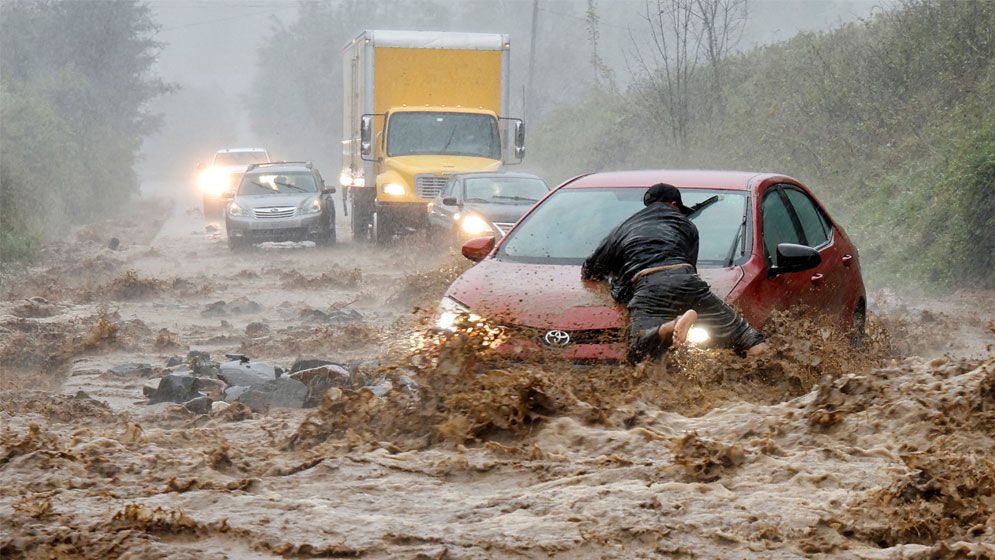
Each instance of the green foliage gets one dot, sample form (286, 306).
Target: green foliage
(75, 79)
(889, 120)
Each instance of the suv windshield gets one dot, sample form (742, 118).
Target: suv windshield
(239, 158)
(568, 226)
(288, 182)
(504, 190)
(458, 134)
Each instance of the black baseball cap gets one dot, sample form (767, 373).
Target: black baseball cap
(662, 192)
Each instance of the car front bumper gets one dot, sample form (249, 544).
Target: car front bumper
(274, 229)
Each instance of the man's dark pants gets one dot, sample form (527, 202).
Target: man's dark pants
(666, 295)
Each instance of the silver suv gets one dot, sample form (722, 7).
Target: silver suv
(280, 201)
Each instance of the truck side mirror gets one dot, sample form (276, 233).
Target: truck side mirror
(450, 201)
(519, 139)
(366, 136)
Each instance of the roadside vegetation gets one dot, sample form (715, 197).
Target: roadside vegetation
(74, 80)
(890, 120)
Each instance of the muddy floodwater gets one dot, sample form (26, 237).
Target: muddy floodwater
(821, 450)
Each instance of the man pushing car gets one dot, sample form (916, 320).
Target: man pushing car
(651, 261)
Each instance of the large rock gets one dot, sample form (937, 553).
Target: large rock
(232, 394)
(320, 379)
(309, 363)
(239, 306)
(132, 370)
(214, 388)
(247, 374)
(199, 405)
(175, 388)
(280, 393)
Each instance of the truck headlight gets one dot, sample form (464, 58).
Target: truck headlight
(450, 312)
(345, 178)
(394, 189)
(234, 210)
(698, 336)
(311, 206)
(473, 224)
(214, 182)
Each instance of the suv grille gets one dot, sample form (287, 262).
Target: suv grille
(274, 212)
(429, 186)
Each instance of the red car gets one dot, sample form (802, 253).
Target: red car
(766, 243)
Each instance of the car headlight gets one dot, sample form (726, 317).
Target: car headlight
(234, 210)
(311, 206)
(698, 336)
(394, 189)
(450, 312)
(214, 182)
(473, 224)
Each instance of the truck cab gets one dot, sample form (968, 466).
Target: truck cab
(420, 107)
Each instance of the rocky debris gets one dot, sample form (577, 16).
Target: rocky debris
(232, 394)
(175, 388)
(279, 393)
(219, 406)
(214, 388)
(132, 370)
(335, 316)
(257, 329)
(174, 361)
(199, 405)
(381, 389)
(114, 243)
(239, 306)
(150, 387)
(320, 379)
(409, 385)
(198, 355)
(237, 372)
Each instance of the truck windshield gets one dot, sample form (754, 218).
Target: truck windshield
(458, 134)
(569, 225)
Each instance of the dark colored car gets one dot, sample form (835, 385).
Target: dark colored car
(486, 203)
(282, 201)
(766, 243)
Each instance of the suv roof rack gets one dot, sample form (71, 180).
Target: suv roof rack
(306, 164)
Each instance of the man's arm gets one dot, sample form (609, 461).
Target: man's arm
(600, 264)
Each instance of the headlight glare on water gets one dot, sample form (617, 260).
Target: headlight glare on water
(698, 336)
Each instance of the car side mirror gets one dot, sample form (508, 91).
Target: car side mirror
(327, 190)
(450, 201)
(795, 258)
(477, 249)
(201, 166)
(228, 194)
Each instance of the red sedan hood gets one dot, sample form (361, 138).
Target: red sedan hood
(552, 296)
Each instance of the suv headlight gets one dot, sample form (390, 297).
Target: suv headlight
(473, 224)
(234, 210)
(450, 312)
(311, 206)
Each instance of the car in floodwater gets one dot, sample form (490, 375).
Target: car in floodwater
(484, 203)
(280, 201)
(766, 244)
(223, 174)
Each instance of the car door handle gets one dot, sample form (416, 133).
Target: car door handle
(817, 278)
(847, 260)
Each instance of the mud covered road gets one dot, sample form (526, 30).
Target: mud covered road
(819, 451)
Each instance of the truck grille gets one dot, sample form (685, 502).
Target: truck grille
(503, 227)
(429, 186)
(274, 212)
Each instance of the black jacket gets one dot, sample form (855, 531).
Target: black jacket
(657, 235)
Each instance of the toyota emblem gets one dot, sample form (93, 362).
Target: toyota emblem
(557, 338)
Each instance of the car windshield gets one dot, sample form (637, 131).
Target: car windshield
(504, 190)
(239, 158)
(277, 183)
(568, 226)
(460, 134)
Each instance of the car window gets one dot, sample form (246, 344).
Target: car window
(812, 221)
(277, 183)
(778, 226)
(566, 227)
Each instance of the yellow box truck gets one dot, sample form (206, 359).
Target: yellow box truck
(419, 106)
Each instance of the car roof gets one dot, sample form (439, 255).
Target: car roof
(229, 150)
(278, 166)
(682, 178)
(517, 174)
